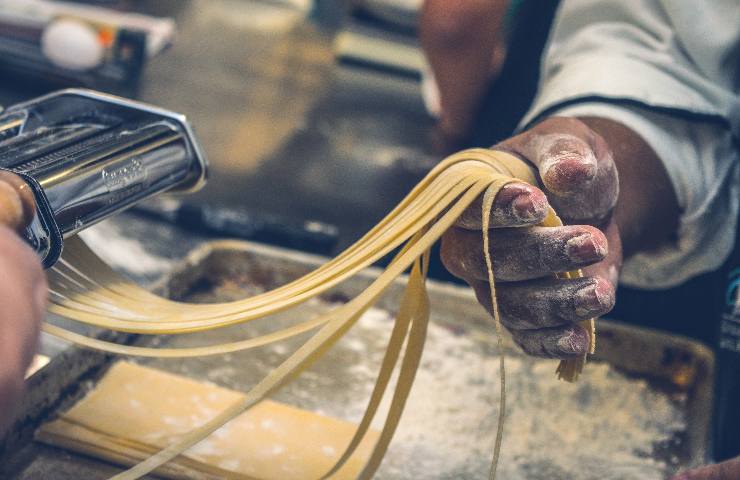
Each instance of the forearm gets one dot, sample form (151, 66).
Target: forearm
(462, 41)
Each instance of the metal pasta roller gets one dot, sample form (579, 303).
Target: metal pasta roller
(88, 155)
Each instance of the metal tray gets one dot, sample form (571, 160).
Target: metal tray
(642, 409)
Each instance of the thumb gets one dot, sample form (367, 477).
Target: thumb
(575, 166)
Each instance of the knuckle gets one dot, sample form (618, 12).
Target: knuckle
(525, 306)
(526, 253)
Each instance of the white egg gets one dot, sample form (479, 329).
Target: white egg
(72, 44)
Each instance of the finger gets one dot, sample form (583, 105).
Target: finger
(548, 303)
(23, 293)
(558, 342)
(566, 162)
(522, 253)
(516, 204)
(17, 203)
(23, 297)
(575, 165)
(727, 470)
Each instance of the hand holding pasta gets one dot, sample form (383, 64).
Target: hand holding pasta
(579, 180)
(23, 294)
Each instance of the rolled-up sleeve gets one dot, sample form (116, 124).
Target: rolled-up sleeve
(643, 63)
(704, 168)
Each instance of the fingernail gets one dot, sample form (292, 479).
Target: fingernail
(583, 248)
(575, 342)
(523, 207)
(566, 173)
(591, 299)
(529, 207)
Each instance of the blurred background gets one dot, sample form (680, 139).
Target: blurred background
(305, 131)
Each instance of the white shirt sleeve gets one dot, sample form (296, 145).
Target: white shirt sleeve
(669, 70)
(672, 54)
(704, 167)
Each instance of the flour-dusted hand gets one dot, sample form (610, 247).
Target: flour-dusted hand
(579, 179)
(23, 293)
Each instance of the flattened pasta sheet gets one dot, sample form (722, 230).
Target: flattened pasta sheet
(135, 410)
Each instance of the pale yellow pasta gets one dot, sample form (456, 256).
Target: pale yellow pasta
(83, 288)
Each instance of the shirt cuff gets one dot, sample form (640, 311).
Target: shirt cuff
(704, 169)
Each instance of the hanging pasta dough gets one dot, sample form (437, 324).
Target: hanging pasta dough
(84, 289)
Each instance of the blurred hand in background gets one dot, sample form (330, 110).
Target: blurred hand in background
(23, 294)
(465, 44)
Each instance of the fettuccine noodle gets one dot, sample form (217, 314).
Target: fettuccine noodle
(84, 289)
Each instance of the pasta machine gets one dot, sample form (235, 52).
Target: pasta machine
(88, 155)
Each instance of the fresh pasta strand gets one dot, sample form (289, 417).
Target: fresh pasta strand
(488, 199)
(86, 290)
